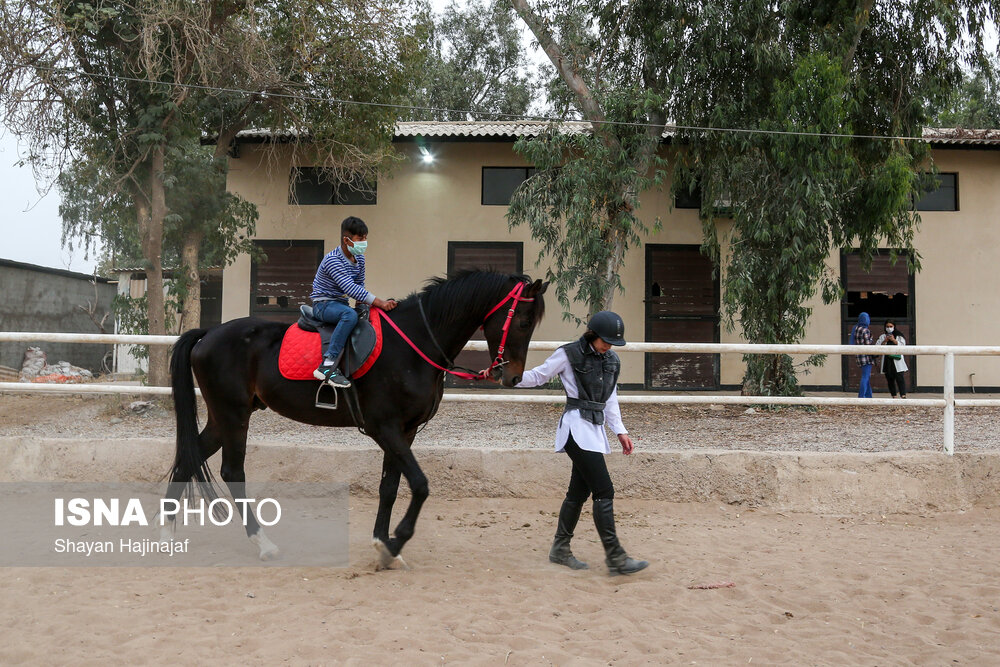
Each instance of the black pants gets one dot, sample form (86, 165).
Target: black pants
(590, 475)
(896, 379)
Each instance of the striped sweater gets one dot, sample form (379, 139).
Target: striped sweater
(338, 278)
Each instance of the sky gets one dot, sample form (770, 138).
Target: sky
(30, 227)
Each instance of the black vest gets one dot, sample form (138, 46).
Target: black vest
(596, 377)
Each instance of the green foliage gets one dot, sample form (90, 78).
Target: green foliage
(975, 104)
(130, 314)
(795, 199)
(581, 205)
(474, 62)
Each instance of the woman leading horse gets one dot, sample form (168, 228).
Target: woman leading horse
(236, 365)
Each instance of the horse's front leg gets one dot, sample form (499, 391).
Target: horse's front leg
(405, 463)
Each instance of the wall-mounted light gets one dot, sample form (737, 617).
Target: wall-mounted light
(426, 156)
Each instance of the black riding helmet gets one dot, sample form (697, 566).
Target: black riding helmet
(609, 326)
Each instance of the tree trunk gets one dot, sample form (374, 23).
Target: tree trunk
(191, 312)
(151, 236)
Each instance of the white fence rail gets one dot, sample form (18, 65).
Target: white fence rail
(947, 401)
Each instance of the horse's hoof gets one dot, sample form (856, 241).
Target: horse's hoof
(268, 549)
(386, 561)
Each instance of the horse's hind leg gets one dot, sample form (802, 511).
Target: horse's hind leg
(208, 445)
(234, 451)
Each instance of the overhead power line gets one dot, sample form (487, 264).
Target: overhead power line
(511, 117)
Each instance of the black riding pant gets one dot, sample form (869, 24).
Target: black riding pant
(895, 379)
(590, 475)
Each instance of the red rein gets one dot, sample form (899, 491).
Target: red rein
(514, 296)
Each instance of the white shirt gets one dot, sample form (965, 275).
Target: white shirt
(588, 436)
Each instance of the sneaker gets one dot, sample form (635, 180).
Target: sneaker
(331, 376)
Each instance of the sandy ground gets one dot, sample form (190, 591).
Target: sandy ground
(809, 590)
(532, 426)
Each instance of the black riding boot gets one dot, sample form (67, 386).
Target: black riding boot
(614, 555)
(569, 515)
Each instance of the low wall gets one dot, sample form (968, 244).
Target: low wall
(843, 483)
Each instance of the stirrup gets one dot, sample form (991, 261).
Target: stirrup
(327, 406)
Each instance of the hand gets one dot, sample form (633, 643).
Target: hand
(626, 443)
(384, 305)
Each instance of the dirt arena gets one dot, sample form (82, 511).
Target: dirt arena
(808, 589)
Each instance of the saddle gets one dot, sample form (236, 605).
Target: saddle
(303, 344)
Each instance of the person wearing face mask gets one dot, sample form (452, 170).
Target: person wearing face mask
(340, 275)
(862, 335)
(893, 365)
(589, 369)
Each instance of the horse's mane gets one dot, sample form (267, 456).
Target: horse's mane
(450, 299)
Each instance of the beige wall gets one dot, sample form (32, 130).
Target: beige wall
(423, 207)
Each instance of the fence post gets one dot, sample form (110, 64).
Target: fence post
(949, 403)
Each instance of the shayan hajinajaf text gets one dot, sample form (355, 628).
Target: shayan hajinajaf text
(125, 545)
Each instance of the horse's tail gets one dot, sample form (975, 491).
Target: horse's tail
(188, 463)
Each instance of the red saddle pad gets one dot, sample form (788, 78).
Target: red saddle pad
(300, 354)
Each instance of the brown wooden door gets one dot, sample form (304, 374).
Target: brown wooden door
(283, 281)
(682, 306)
(885, 292)
(503, 257)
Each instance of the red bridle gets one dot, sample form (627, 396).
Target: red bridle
(514, 296)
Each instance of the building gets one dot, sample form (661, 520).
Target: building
(430, 217)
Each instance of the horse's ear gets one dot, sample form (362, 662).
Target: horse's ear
(536, 288)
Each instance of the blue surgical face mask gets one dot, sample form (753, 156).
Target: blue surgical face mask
(358, 248)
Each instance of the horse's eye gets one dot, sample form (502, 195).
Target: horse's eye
(524, 325)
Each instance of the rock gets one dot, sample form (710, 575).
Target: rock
(116, 420)
(716, 408)
(140, 407)
(749, 411)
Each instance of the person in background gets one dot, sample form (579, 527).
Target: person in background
(861, 335)
(893, 365)
(588, 369)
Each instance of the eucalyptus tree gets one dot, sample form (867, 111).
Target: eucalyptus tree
(789, 120)
(124, 84)
(475, 62)
(800, 113)
(582, 201)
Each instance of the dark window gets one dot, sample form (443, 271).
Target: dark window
(945, 198)
(310, 186)
(685, 198)
(499, 183)
(504, 257)
(283, 281)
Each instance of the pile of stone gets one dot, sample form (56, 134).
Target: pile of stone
(35, 369)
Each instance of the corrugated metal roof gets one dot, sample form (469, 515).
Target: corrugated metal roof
(485, 128)
(960, 136)
(530, 128)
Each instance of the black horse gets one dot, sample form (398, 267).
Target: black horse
(236, 365)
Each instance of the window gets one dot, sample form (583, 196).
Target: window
(505, 257)
(499, 183)
(685, 198)
(945, 198)
(309, 186)
(282, 282)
